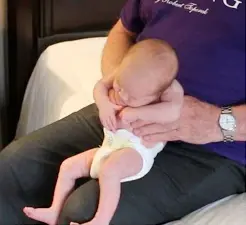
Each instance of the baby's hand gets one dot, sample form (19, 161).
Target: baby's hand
(107, 114)
(129, 115)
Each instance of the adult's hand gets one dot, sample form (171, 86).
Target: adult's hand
(198, 124)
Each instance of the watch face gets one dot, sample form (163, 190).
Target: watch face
(227, 122)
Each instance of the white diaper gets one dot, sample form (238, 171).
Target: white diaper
(124, 139)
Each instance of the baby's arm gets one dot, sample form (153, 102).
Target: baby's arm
(101, 90)
(168, 110)
(107, 109)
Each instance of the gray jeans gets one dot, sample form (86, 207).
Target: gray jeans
(184, 177)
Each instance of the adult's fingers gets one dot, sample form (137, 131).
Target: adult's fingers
(154, 128)
(162, 137)
(139, 123)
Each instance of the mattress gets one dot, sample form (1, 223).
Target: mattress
(62, 82)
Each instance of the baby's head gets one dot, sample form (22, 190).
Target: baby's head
(146, 71)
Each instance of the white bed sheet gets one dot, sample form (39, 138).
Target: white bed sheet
(62, 83)
(63, 70)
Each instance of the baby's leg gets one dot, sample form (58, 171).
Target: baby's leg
(70, 170)
(120, 164)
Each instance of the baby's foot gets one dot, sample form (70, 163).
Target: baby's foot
(45, 215)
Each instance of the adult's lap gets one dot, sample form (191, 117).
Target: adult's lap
(184, 177)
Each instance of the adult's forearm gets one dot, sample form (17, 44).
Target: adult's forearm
(118, 43)
(200, 122)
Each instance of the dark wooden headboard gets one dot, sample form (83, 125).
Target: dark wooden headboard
(36, 24)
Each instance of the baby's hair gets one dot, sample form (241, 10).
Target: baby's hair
(158, 61)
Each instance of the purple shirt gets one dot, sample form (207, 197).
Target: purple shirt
(209, 38)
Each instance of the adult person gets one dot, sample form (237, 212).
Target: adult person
(196, 168)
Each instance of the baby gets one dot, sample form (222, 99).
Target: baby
(144, 85)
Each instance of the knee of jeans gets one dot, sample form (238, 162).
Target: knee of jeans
(7, 177)
(82, 204)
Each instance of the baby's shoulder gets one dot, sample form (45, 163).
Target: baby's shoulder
(175, 86)
(173, 90)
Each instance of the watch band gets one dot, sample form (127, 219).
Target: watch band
(226, 110)
(228, 138)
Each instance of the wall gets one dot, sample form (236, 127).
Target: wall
(3, 68)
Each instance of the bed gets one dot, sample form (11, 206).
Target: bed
(54, 64)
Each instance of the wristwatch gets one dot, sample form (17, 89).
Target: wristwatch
(227, 123)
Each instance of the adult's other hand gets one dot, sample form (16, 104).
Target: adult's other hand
(198, 124)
